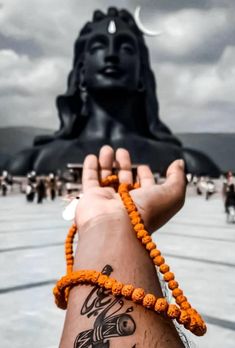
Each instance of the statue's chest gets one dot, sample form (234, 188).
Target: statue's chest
(59, 153)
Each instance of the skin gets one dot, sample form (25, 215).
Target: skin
(156, 203)
(106, 238)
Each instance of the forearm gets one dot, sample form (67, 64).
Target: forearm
(112, 241)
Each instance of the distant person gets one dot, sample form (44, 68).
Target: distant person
(230, 178)
(224, 186)
(230, 198)
(59, 183)
(4, 183)
(210, 188)
(52, 186)
(199, 182)
(59, 186)
(31, 186)
(30, 192)
(41, 191)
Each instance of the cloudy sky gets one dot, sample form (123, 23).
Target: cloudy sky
(193, 60)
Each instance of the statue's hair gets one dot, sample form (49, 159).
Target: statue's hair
(70, 104)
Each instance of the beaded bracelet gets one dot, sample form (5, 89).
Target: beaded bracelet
(181, 311)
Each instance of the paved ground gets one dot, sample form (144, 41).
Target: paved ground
(197, 243)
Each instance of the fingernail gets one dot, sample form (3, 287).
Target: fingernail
(181, 164)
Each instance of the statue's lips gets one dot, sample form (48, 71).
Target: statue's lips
(112, 71)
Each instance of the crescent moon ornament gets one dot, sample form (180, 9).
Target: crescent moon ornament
(142, 27)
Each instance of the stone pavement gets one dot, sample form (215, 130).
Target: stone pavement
(197, 244)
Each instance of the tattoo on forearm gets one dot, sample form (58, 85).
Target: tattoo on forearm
(110, 322)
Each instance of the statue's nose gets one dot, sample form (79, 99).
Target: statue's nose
(111, 52)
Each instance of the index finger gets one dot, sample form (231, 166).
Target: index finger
(90, 173)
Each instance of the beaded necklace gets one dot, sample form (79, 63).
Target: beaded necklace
(181, 310)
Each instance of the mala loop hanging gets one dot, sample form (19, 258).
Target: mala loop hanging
(180, 311)
(69, 248)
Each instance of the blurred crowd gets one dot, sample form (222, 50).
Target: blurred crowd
(37, 188)
(42, 187)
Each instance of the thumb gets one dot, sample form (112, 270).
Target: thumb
(175, 183)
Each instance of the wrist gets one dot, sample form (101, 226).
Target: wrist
(103, 238)
(104, 222)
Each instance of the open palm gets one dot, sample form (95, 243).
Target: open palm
(156, 203)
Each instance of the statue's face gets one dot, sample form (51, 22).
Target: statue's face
(112, 59)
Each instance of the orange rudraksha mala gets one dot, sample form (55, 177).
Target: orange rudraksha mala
(181, 310)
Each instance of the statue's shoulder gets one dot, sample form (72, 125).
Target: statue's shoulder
(23, 162)
(56, 154)
(199, 163)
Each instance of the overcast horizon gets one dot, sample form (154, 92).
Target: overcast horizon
(193, 60)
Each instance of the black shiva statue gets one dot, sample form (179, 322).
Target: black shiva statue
(110, 99)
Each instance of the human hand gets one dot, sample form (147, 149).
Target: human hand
(156, 203)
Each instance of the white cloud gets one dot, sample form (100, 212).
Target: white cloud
(193, 35)
(194, 61)
(22, 73)
(27, 89)
(199, 97)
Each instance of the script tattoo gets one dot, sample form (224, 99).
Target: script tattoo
(109, 322)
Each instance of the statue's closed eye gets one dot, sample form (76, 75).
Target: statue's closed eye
(97, 43)
(128, 48)
(96, 46)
